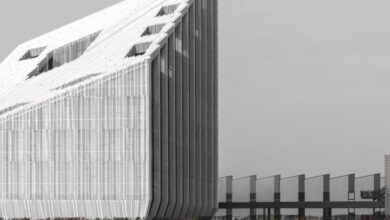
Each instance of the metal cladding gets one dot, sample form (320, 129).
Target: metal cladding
(114, 116)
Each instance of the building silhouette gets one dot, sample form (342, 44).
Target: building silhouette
(114, 116)
(387, 185)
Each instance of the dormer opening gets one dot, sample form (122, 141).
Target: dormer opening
(32, 53)
(138, 49)
(166, 10)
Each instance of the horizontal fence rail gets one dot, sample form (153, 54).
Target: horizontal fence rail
(307, 205)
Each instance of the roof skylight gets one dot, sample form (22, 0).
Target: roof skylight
(138, 49)
(32, 53)
(64, 54)
(153, 29)
(166, 10)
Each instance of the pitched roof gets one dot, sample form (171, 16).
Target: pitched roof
(87, 49)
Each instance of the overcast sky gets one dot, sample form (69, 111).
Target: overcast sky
(304, 84)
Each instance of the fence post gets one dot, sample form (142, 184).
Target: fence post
(276, 196)
(301, 195)
(229, 197)
(252, 197)
(377, 190)
(327, 212)
(351, 194)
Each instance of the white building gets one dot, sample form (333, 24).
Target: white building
(113, 116)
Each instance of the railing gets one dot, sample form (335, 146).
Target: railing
(283, 198)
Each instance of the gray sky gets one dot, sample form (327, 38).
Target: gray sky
(304, 84)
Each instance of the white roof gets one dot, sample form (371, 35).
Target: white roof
(121, 28)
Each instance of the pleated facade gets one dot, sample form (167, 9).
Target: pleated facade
(122, 122)
(184, 76)
(83, 154)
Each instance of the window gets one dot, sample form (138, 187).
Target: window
(32, 53)
(153, 29)
(138, 49)
(166, 10)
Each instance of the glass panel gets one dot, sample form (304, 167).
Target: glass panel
(289, 189)
(222, 189)
(314, 212)
(339, 192)
(339, 188)
(220, 213)
(221, 196)
(262, 213)
(364, 186)
(314, 188)
(265, 189)
(241, 189)
(265, 193)
(241, 193)
(240, 213)
(289, 193)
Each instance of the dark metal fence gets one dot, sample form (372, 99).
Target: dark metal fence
(298, 197)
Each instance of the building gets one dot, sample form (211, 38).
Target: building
(113, 116)
(387, 185)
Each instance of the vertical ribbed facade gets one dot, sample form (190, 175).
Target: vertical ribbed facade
(82, 154)
(184, 116)
(120, 122)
